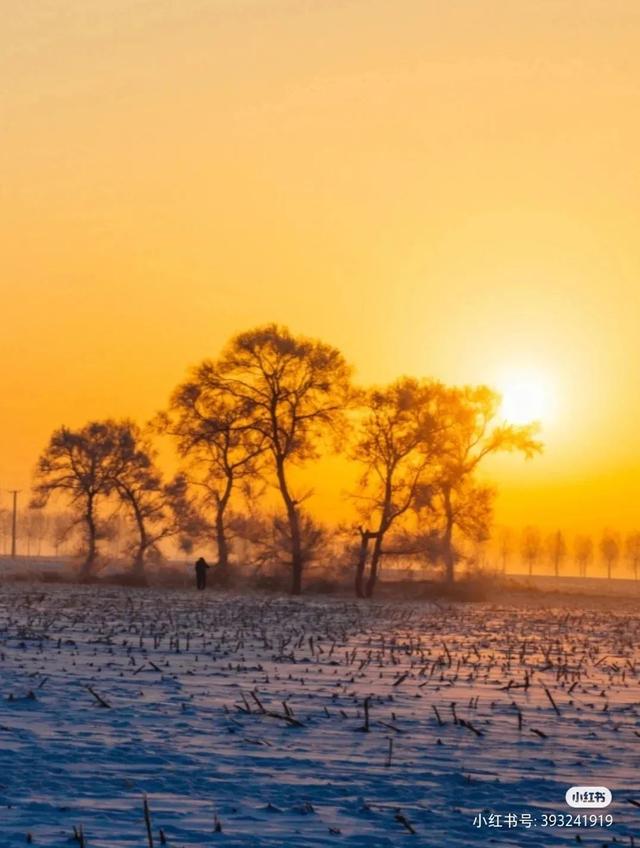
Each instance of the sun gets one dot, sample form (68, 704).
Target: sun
(526, 397)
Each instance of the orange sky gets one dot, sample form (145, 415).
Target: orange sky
(446, 189)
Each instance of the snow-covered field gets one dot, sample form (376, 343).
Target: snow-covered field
(242, 719)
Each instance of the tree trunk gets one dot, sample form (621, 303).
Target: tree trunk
(143, 542)
(373, 567)
(221, 540)
(137, 569)
(294, 529)
(447, 541)
(296, 553)
(92, 549)
(383, 526)
(221, 536)
(362, 562)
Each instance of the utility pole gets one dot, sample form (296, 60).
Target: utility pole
(14, 521)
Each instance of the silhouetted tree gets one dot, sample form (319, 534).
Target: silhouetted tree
(399, 443)
(557, 550)
(632, 548)
(505, 547)
(33, 528)
(137, 481)
(39, 528)
(216, 434)
(463, 515)
(610, 550)
(278, 545)
(583, 552)
(296, 390)
(79, 465)
(264, 540)
(473, 433)
(531, 547)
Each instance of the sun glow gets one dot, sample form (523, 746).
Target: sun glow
(526, 397)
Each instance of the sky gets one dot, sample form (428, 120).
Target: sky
(445, 189)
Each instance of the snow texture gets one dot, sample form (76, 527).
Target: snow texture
(247, 714)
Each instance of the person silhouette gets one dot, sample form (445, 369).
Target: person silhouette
(201, 573)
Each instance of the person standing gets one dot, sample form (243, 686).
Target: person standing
(201, 573)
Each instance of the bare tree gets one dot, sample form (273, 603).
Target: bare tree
(583, 552)
(138, 483)
(215, 434)
(463, 515)
(632, 548)
(505, 547)
(274, 544)
(473, 433)
(531, 547)
(399, 442)
(557, 550)
(296, 390)
(610, 550)
(27, 527)
(80, 466)
(39, 521)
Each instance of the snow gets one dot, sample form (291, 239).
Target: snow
(293, 766)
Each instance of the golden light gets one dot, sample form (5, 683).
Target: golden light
(526, 397)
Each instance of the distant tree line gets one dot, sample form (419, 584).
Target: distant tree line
(553, 551)
(245, 423)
